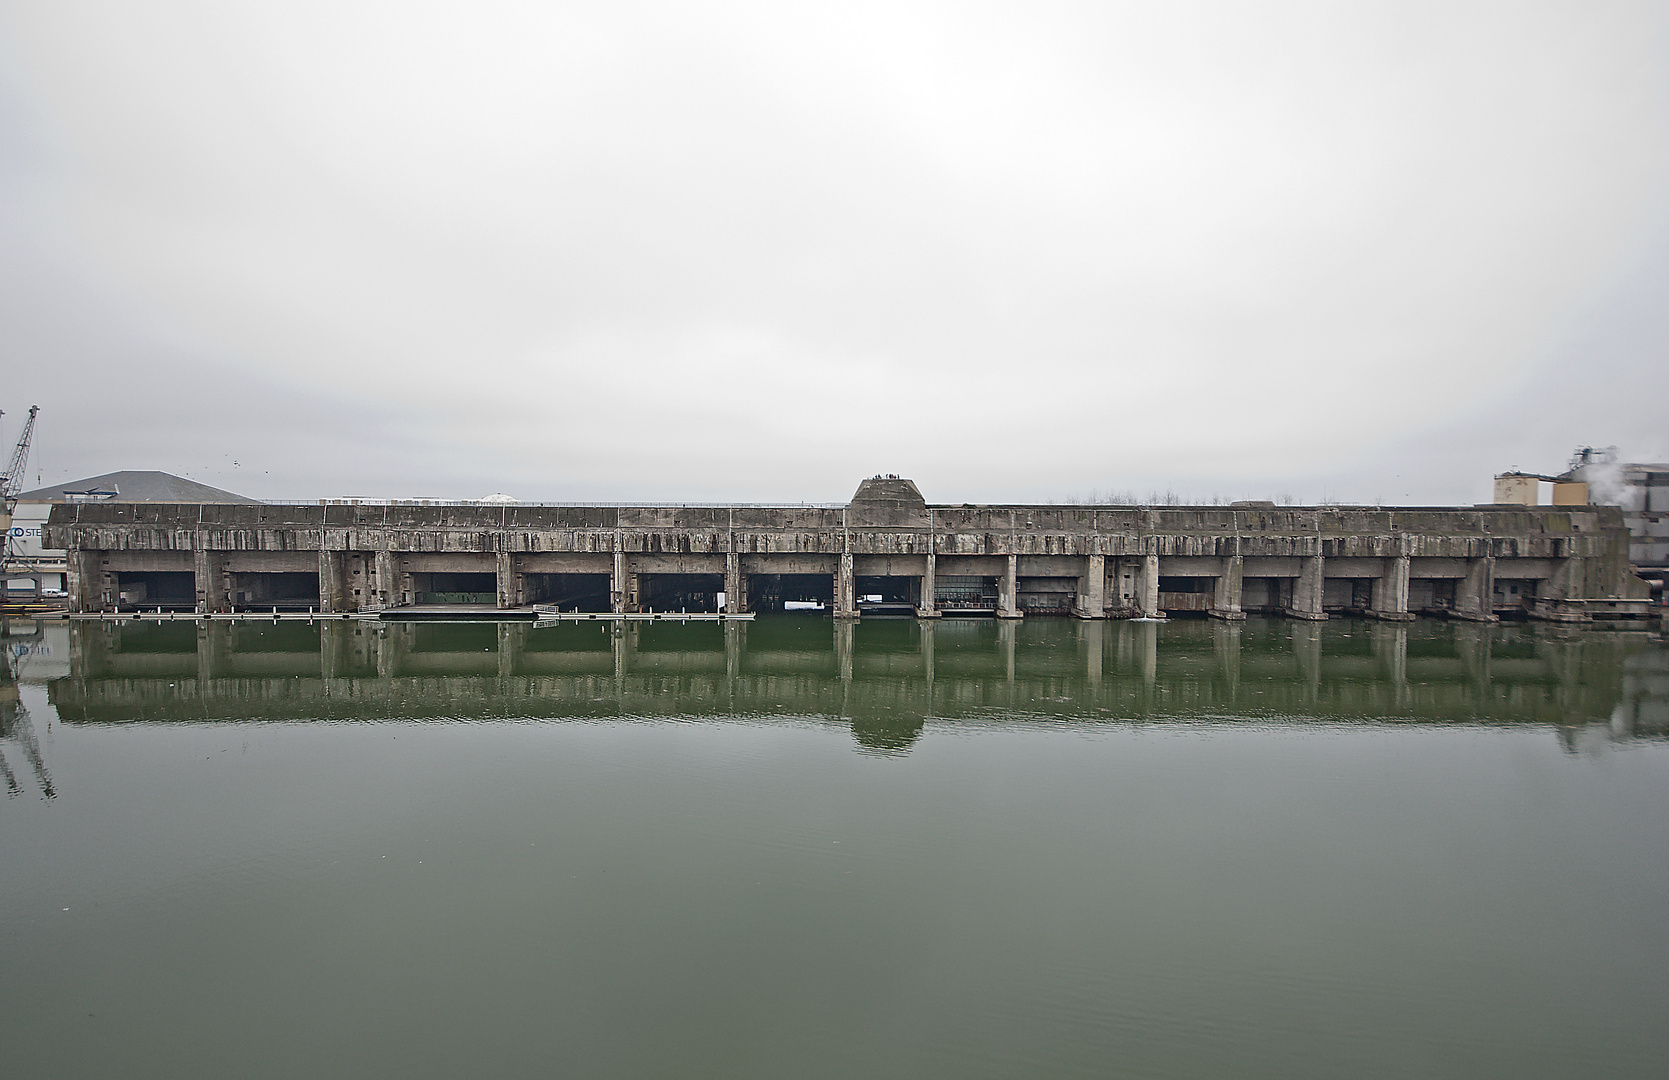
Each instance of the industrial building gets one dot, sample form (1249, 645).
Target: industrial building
(886, 551)
(33, 568)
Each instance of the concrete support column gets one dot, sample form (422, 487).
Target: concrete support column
(84, 580)
(929, 578)
(508, 594)
(1225, 600)
(1092, 588)
(332, 583)
(1147, 589)
(734, 603)
(1475, 596)
(387, 569)
(1007, 601)
(617, 584)
(211, 591)
(845, 589)
(1307, 590)
(1390, 591)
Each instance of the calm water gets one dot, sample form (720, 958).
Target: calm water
(791, 849)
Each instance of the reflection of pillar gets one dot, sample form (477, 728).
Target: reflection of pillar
(625, 642)
(1093, 638)
(1007, 589)
(1475, 597)
(1390, 591)
(845, 588)
(1092, 589)
(508, 594)
(734, 602)
(1225, 600)
(388, 578)
(1225, 643)
(332, 649)
(1309, 589)
(1148, 589)
(929, 578)
(391, 647)
(1306, 649)
(734, 638)
(1472, 645)
(214, 646)
(926, 631)
(1147, 643)
(1006, 635)
(1390, 645)
(509, 647)
(617, 584)
(843, 645)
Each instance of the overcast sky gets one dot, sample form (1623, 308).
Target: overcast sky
(1361, 252)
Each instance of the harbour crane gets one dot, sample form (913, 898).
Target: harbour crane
(11, 481)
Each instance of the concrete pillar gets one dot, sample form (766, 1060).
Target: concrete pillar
(845, 589)
(1475, 595)
(734, 603)
(1225, 600)
(1007, 588)
(387, 569)
(211, 590)
(1147, 589)
(333, 590)
(1390, 591)
(508, 594)
(84, 580)
(617, 584)
(1307, 590)
(929, 579)
(1092, 588)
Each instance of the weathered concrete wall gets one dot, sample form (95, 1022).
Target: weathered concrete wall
(1109, 558)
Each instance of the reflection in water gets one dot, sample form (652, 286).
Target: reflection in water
(887, 677)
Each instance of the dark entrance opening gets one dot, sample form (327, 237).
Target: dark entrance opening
(171, 590)
(298, 591)
(965, 595)
(1186, 595)
(1046, 595)
(679, 592)
(455, 588)
(1347, 594)
(774, 592)
(570, 592)
(890, 595)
